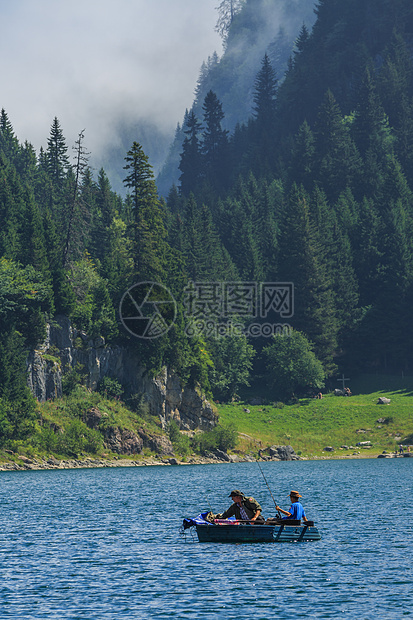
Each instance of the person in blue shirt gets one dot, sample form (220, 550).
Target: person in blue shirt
(296, 509)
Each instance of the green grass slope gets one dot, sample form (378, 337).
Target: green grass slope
(334, 421)
(308, 426)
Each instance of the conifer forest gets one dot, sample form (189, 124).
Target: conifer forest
(310, 185)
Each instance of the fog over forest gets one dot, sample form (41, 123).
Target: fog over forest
(102, 66)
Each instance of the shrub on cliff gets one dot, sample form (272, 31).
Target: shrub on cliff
(78, 438)
(221, 437)
(180, 442)
(72, 379)
(110, 388)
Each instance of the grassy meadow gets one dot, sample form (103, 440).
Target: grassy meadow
(309, 425)
(335, 421)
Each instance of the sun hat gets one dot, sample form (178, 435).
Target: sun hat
(295, 493)
(237, 493)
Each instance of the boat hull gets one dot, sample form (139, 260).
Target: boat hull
(244, 533)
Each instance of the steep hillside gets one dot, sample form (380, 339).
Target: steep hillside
(261, 26)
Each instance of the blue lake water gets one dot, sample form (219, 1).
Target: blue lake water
(105, 544)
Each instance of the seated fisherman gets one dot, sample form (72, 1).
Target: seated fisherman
(243, 508)
(296, 509)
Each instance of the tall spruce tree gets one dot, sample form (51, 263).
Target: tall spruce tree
(368, 251)
(214, 143)
(336, 254)
(26, 164)
(265, 93)
(264, 111)
(101, 233)
(302, 262)
(338, 161)
(302, 162)
(191, 162)
(147, 228)
(56, 157)
(237, 233)
(372, 133)
(9, 144)
(13, 217)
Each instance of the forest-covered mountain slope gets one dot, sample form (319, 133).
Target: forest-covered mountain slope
(298, 223)
(316, 188)
(257, 27)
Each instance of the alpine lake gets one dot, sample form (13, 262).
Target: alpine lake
(105, 544)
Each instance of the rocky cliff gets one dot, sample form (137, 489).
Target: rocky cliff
(164, 395)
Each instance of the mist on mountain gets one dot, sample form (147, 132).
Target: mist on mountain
(260, 27)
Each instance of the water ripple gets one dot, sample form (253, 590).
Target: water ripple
(104, 544)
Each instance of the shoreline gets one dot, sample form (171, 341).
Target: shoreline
(23, 463)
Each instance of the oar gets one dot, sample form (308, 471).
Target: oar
(265, 480)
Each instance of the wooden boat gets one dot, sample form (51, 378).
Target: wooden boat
(244, 532)
(232, 531)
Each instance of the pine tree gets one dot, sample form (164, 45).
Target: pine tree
(301, 262)
(403, 133)
(214, 143)
(56, 158)
(12, 211)
(64, 298)
(191, 163)
(227, 10)
(237, 233)
(301, 41)
(336, 254)
(174, 200)
(395, 78)
(147, 228)
(26, 164)
(103, 214)
(269, 201)
(264, 109)
(371, 129)
(302, 163)
(338, 162)
(368, 251)
(9, 144)
(389, 315)
(33, 243)
(72, 211)
(205, 257)
(205, 80)
(265, 92)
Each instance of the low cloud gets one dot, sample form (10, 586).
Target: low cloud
(95, 63)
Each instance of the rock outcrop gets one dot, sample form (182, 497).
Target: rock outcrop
(164, 396)
(122, 441)
(279, 453)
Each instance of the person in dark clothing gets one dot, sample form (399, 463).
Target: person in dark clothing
(243, 508)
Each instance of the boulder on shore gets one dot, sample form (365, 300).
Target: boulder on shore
(280, 453)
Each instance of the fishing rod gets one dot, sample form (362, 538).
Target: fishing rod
(208, 502)
(265, 480)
